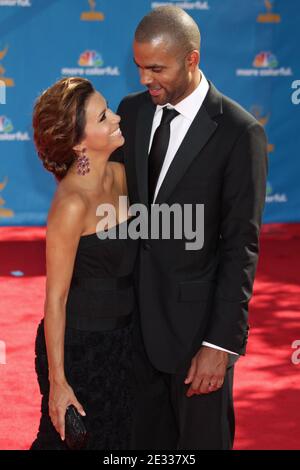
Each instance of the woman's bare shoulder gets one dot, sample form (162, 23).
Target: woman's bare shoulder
(68, 208)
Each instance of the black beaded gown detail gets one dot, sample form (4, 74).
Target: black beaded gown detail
(98, 343)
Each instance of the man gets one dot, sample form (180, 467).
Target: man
(193, 303)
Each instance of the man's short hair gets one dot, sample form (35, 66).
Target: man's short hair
(173, 23)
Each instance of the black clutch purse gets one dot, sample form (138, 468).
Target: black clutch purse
(75, 431)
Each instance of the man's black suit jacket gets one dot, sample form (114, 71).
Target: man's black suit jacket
(186, 297)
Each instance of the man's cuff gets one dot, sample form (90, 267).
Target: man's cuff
(209, 345)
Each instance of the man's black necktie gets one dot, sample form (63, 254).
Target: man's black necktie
(159, 149)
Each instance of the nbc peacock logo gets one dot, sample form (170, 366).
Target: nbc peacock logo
(265, 64)
(269, 189)
(90, 59)
(6, 134)
(5, 125)
(265, 59)
(91, 63)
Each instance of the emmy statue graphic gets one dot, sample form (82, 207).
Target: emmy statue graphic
(92, 15)
(7, 81)
(268, 17)
(4, 212)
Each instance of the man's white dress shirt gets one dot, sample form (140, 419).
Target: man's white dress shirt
(187, 109)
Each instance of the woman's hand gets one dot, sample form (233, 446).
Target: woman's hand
(60, 397)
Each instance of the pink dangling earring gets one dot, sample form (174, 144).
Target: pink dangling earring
(83, 164)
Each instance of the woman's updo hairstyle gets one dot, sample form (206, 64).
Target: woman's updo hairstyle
(59, 121)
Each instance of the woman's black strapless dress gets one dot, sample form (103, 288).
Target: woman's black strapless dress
(98, 343)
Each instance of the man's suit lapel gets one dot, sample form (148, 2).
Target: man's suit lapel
(200, 131)
(143, 133)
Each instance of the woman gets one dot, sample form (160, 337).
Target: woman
(83, 346)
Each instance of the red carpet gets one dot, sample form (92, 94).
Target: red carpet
(267, 384)
(267, 391)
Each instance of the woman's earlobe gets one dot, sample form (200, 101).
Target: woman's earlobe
(78, 148)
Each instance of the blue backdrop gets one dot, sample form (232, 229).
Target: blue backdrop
(249, 51)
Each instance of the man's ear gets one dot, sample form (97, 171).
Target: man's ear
(193, 59)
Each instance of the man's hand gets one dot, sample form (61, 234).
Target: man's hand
(207, 371)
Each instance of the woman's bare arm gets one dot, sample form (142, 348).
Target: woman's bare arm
(65, 225)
